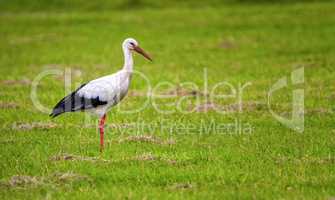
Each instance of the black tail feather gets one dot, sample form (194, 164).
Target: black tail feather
(59, 108)
(73, 102)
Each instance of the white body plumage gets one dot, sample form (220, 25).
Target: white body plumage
(112, 89)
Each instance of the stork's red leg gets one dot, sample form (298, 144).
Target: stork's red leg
(101, 128)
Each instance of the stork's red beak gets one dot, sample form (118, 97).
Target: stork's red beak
(142, 52)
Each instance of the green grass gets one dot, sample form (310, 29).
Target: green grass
(238, 43)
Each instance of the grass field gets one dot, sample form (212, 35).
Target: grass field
(149, 154)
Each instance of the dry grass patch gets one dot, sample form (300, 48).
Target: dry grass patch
(135, 93)
(319, 111)
(228, 44)
(23, 81)
(145, 157)
(231, 108)
(33, 125)
(178, 91)
(9, 105)
(205, 107)
(180, 186)
(150, 157)
(70, 177)
(148, 139)
(24, 181)
(182, 91)
(69, 157)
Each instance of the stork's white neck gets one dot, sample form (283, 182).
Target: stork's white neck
(128, 60)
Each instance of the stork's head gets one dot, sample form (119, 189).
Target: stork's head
(132, 45)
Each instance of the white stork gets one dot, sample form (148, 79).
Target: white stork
(98, 95)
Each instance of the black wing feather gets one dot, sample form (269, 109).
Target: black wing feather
(73, 102)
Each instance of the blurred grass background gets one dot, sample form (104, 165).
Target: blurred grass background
(101, 5)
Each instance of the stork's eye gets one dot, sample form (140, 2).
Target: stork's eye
(132, 43)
